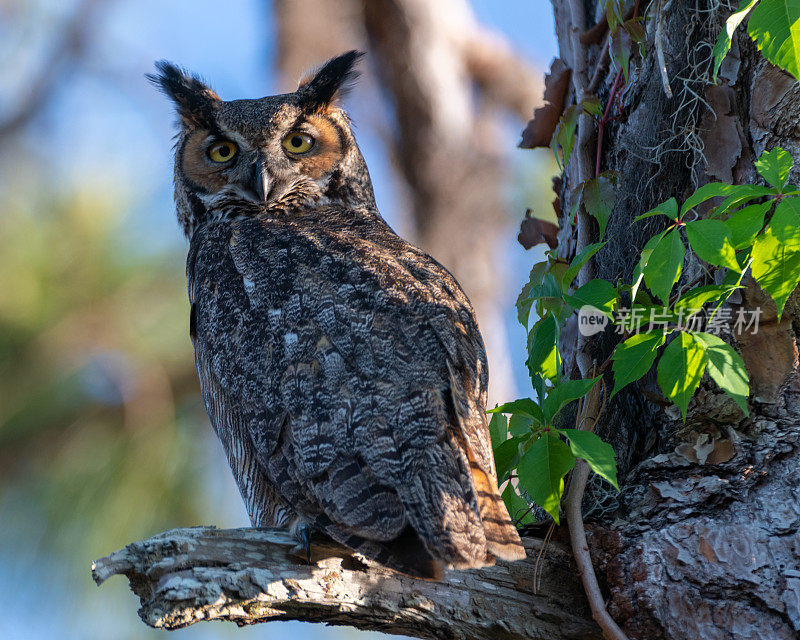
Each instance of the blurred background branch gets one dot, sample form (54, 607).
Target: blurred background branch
(449, 81)
(67, 49)
(103, 437)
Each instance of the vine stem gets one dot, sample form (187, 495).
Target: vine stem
(602, 124)
(611, 96)
(577, 533)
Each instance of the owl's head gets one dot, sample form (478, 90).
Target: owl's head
(271, 154)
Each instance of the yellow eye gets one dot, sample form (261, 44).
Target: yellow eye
(221, 151)
(298, 142)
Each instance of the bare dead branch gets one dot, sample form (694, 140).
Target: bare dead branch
(311, 31)
(502, 74)
(246, 576)
(70, 45)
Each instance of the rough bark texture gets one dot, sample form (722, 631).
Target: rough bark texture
(704, 542)
(247, 576)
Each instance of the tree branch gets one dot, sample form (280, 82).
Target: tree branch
(70, 45)
(183, 576)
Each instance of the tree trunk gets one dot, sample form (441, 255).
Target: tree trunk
(704, 543)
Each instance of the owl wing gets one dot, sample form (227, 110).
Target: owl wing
(340, 353)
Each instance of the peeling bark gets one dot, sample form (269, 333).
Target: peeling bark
(247, 576)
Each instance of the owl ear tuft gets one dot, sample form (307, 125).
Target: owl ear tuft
(319, 89)
(195, 101)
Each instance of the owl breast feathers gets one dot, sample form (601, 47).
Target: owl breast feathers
(341, 367)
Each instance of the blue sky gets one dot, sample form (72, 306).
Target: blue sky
(108, 126)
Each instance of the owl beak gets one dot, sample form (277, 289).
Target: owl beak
(261, 179)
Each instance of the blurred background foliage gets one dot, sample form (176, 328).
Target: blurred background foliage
(103, 436)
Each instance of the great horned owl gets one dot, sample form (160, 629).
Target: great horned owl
(341, 367)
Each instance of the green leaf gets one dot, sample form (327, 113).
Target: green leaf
(524, 301)
(599, 454)
(711, 241)
(620, 50)
(557, 269)
(664, 265)
(520, 424)
(745, 224)
(668, 208)
(785, 223)
(723, 44)
(598, 200)
(644, 258)
(539, 386)
(578, 261)
(680, 370)
(542, 469)
(592, 106)
(773, 27)
(776, 267)
(633, 358)
(712, 190)
(543, 355)
(615, 13)
(635, 29)
(549, 288)
(498, 429)
(518, 508)
(726, 368)
(697, 297)
(564, 136)
(524, 406)
(506, 456)
(543, 285)
(733, 280)
(564, 393)
(600, 294)
(774, 166)
(740, 194)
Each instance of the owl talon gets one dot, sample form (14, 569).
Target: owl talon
(304, 533)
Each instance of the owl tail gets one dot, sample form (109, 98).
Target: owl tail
(502, 539)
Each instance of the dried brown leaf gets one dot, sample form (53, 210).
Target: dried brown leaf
(539, 131)
(534, 231)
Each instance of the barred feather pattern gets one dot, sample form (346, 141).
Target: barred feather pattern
(345, 375)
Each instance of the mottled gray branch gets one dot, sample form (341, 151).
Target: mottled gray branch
(248, 576)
